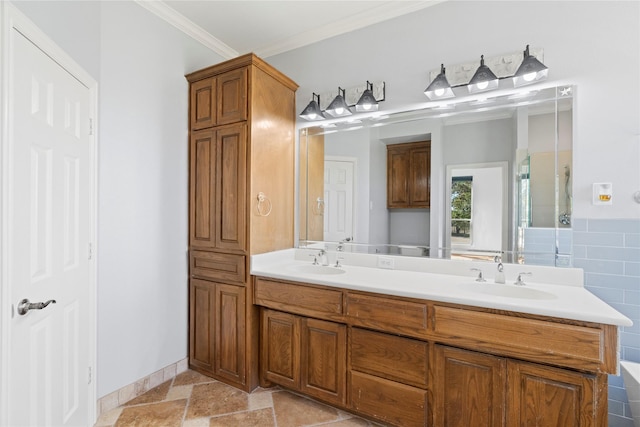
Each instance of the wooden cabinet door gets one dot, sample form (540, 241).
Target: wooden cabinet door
(409, 175)
(231, 183)
(398, 162)
(420, 175)
(469, 388)
(280, 348)
(232, 97)
(230, 332)
(541, 396)
(203, 104)
(202, 302)
(202, 189)
(323, 360)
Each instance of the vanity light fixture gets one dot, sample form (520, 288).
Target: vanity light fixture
(339, 107)
(530, 71)
(367, 101)
(483, 79)
(312, 111)
(439, 88)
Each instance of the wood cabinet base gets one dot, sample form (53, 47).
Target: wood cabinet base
(422, 363)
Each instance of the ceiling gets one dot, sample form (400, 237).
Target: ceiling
(266, 27)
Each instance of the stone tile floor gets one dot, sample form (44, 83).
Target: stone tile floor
(194, 400)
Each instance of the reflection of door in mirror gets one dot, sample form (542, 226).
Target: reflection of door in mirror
(312, 185)
(478, 208)
(338, 196)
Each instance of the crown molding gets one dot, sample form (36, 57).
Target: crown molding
(377, 14)
(188, 27)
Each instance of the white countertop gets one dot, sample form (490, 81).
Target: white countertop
(549, 291)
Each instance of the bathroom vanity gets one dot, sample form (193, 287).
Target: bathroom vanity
(425, 344)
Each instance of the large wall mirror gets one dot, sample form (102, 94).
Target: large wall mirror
(499, 183)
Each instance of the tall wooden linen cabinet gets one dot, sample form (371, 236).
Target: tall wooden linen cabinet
(241, 202)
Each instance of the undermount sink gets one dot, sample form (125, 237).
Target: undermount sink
(509, 291)
(316, 269)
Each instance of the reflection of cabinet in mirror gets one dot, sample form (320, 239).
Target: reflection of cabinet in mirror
(312, 201)
(409, 175)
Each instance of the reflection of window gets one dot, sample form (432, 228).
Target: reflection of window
(461, 210)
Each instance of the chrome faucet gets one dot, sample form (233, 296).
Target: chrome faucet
(519, 281)
(480, 276)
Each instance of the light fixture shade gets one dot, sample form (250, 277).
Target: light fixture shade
(312, 111)
(483, 79)
(439, 87)
(530, 71)
(367, 101)
(339, 107)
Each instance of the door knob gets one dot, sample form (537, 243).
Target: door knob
(24, 306)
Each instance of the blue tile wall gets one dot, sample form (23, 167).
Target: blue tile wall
(609, 252)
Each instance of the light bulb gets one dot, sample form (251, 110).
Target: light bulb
(366, 107)
(439, 92)
(482, 85)
(339, 110)
(529, 77)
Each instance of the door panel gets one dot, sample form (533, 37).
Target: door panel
(231, 178)
(49, 233)
(202, 197)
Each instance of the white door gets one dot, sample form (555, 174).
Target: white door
(49, 229)
(338, 196)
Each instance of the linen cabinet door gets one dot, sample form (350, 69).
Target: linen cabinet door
(202, 189)
(203, 104)
(230, 333)
(202, 302)
(232, 97)
(280, 348)
(231, 183)
(420, 170)
(542, 396)
(323, 360)
(469, 388)
(398, 162)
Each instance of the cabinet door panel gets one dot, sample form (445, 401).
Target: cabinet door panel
(231, 187)
(420, 173)
(201, 324)
(542, 396)
(203, 104)
(232, 97)
(279, 356)
(202, 191)
(469, 388)
(230, 332)
(397, 178)
(323, 360)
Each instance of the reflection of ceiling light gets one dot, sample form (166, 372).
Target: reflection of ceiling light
(328, 125)
(530, 71)
(525, 94)
(482, 101)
